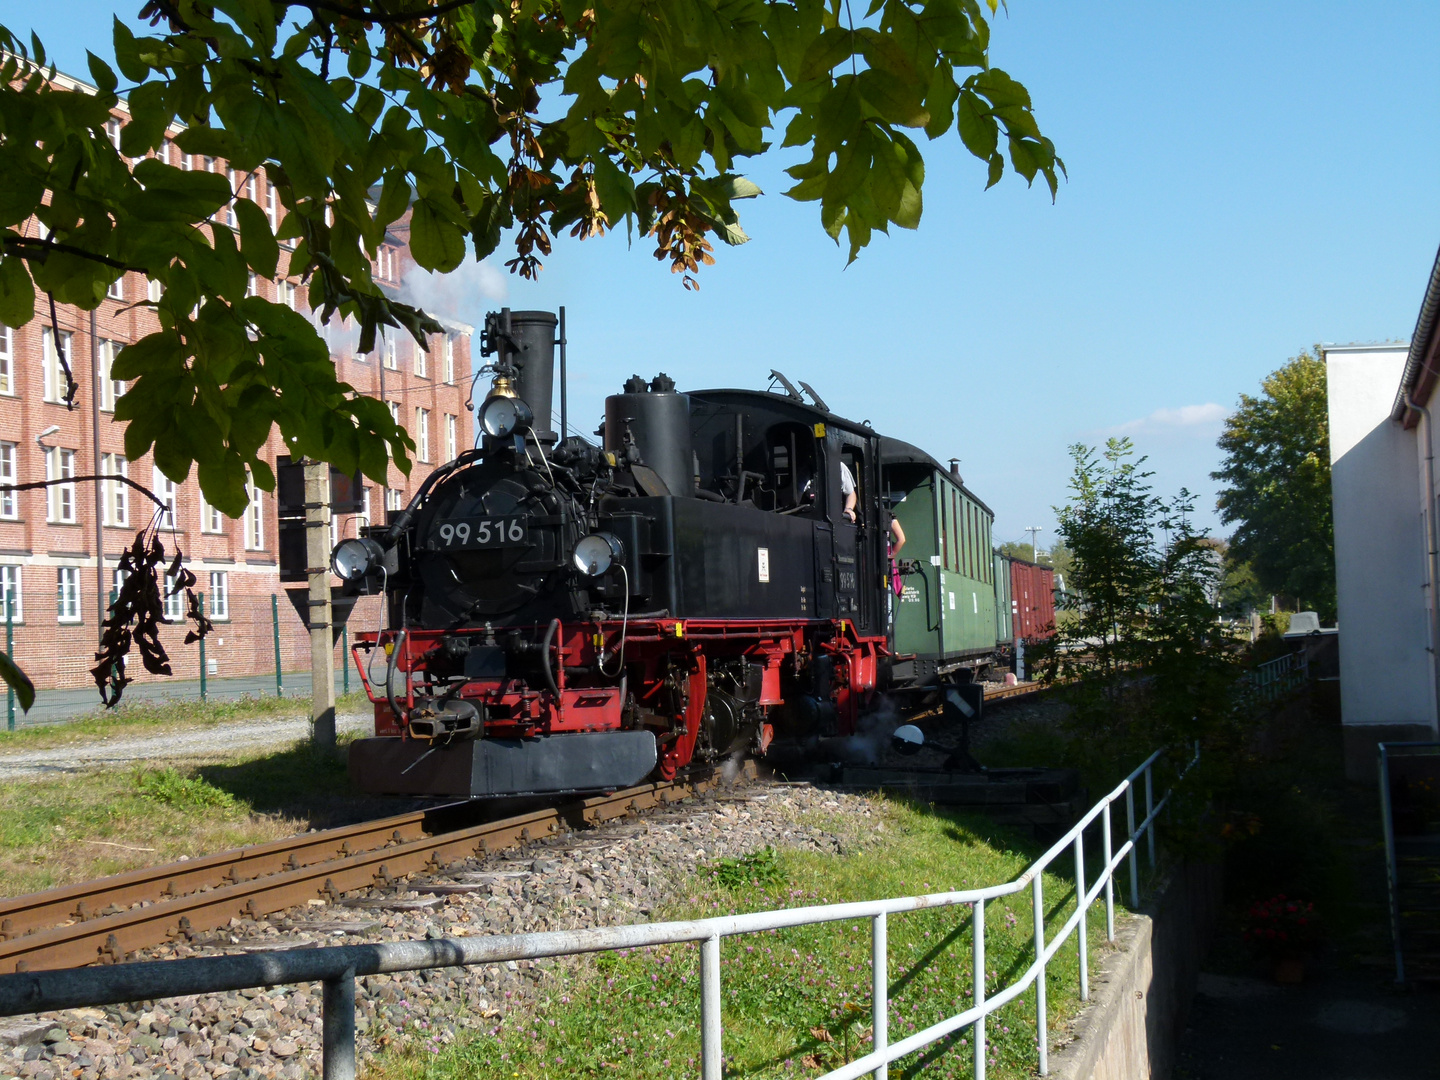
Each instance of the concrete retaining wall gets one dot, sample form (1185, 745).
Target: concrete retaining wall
(1141, 992)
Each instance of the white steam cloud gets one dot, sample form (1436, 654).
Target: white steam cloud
(463, 295)
(1207, 416)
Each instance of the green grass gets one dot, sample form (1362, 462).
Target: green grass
(796, 1002)
(139, 717)
(57, 830)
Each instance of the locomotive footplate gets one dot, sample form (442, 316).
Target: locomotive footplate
(482, 768)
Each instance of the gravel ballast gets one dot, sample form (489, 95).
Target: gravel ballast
(612, 875)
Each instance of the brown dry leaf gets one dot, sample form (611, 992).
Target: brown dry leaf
(823, 1035)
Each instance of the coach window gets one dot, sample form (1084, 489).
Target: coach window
(853, 459)
(790, 449)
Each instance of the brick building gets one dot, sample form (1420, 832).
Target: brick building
(50, 573)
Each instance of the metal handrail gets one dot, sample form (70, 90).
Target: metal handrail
(337, 968)
(1274, 679)
(1387, 825)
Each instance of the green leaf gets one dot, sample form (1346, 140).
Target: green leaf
(825, 52)
(257, 242)
(17, 292)
(102, 73)
(978, 129)
(127, 54)
(436, 242)
(14, 677)
(895, 100)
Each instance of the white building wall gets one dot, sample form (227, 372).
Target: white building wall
(1380, 572)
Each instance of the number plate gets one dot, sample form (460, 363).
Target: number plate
(479, 532)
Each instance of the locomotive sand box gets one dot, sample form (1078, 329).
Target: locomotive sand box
(715, 577)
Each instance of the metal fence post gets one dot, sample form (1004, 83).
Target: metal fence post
(1083, 909)
(1130, 832)
(338, 1062)
(880, 990)
(345, 658)
(200, 600)
(1149, 811)
(1387, 826)
(1037, 901)
(10, 652)
(710, 1027)
(977, 922)
(275, 626)
(1109, 877)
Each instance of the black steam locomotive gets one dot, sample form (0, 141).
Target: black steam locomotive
(712, 577)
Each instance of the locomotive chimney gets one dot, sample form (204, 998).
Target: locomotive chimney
(525, 340)
(955, 470)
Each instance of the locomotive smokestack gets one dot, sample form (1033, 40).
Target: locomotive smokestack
(525, 340)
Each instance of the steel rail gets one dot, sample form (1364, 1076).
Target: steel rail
(24, 914)
(112, 937)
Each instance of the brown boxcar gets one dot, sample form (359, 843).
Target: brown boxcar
(1032, 599)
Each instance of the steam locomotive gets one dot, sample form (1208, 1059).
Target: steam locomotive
(566, 616)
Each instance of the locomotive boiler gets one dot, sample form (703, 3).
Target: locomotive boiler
(567, 616)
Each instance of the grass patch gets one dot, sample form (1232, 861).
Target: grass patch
(59, 830)
(139, 717)
(796, 1002)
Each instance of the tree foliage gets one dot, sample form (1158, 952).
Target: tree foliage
(1148, 662)
(1277, 475)
(478, 118)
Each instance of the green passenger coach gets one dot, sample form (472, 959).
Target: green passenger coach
(944, 619)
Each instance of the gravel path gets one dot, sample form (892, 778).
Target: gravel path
(163, 745)
(615, 874)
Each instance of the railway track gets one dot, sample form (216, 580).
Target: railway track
(106, 920)
(999, 693)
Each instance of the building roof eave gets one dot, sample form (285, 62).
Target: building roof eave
(1418, 381)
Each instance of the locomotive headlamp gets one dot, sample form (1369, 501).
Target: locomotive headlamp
(356, 558)
(595, 554)
(502, 413)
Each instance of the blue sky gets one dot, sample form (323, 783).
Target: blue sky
(1245, 180)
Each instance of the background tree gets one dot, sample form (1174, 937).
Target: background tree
(478, 117)
(1277, 475)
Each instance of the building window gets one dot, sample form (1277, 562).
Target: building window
(154, 290)
(285, 293)
(255, 521)
(219, 599)
(55, 386)
(422, 434)
(119, 577)
(60, 504)
(422, 361)
(110, 389)
(67, 593)
(116, 291)
(112, 129)
(165, 151)
(165, 491)
(117, 494)
(7, 361)
(391, 360)
(210, 518)
(385, 263)
(272, 205)
(449, 437)
(9, 471)
(394, 499)
(10, 594)
(174, 601)
(448, 369)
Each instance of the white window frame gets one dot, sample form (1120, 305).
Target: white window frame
(54, 374)
(450, 437)
(116, 288)
(211, 520)
(168, 492)
(12, 590)
(173, 606)
(9, 474)
(60, 504)
(449, 366)
(7, 361)
(255, 520)
(112, 131)
(422, 434)
(422, 361)
(67, 594)
(389, 352)
(217, 601)
(117, 495)
(154, 290)
(394, 499)
(285, 294)
(110, 389)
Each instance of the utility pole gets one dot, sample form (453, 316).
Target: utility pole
(1034, 531)
(317, 563)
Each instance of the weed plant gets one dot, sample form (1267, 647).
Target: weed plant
(796, 1002)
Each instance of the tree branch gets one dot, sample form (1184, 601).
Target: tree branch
(36, 484)
(68, 249)
(382, 18)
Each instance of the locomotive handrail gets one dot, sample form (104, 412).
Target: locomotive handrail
(337, 968)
